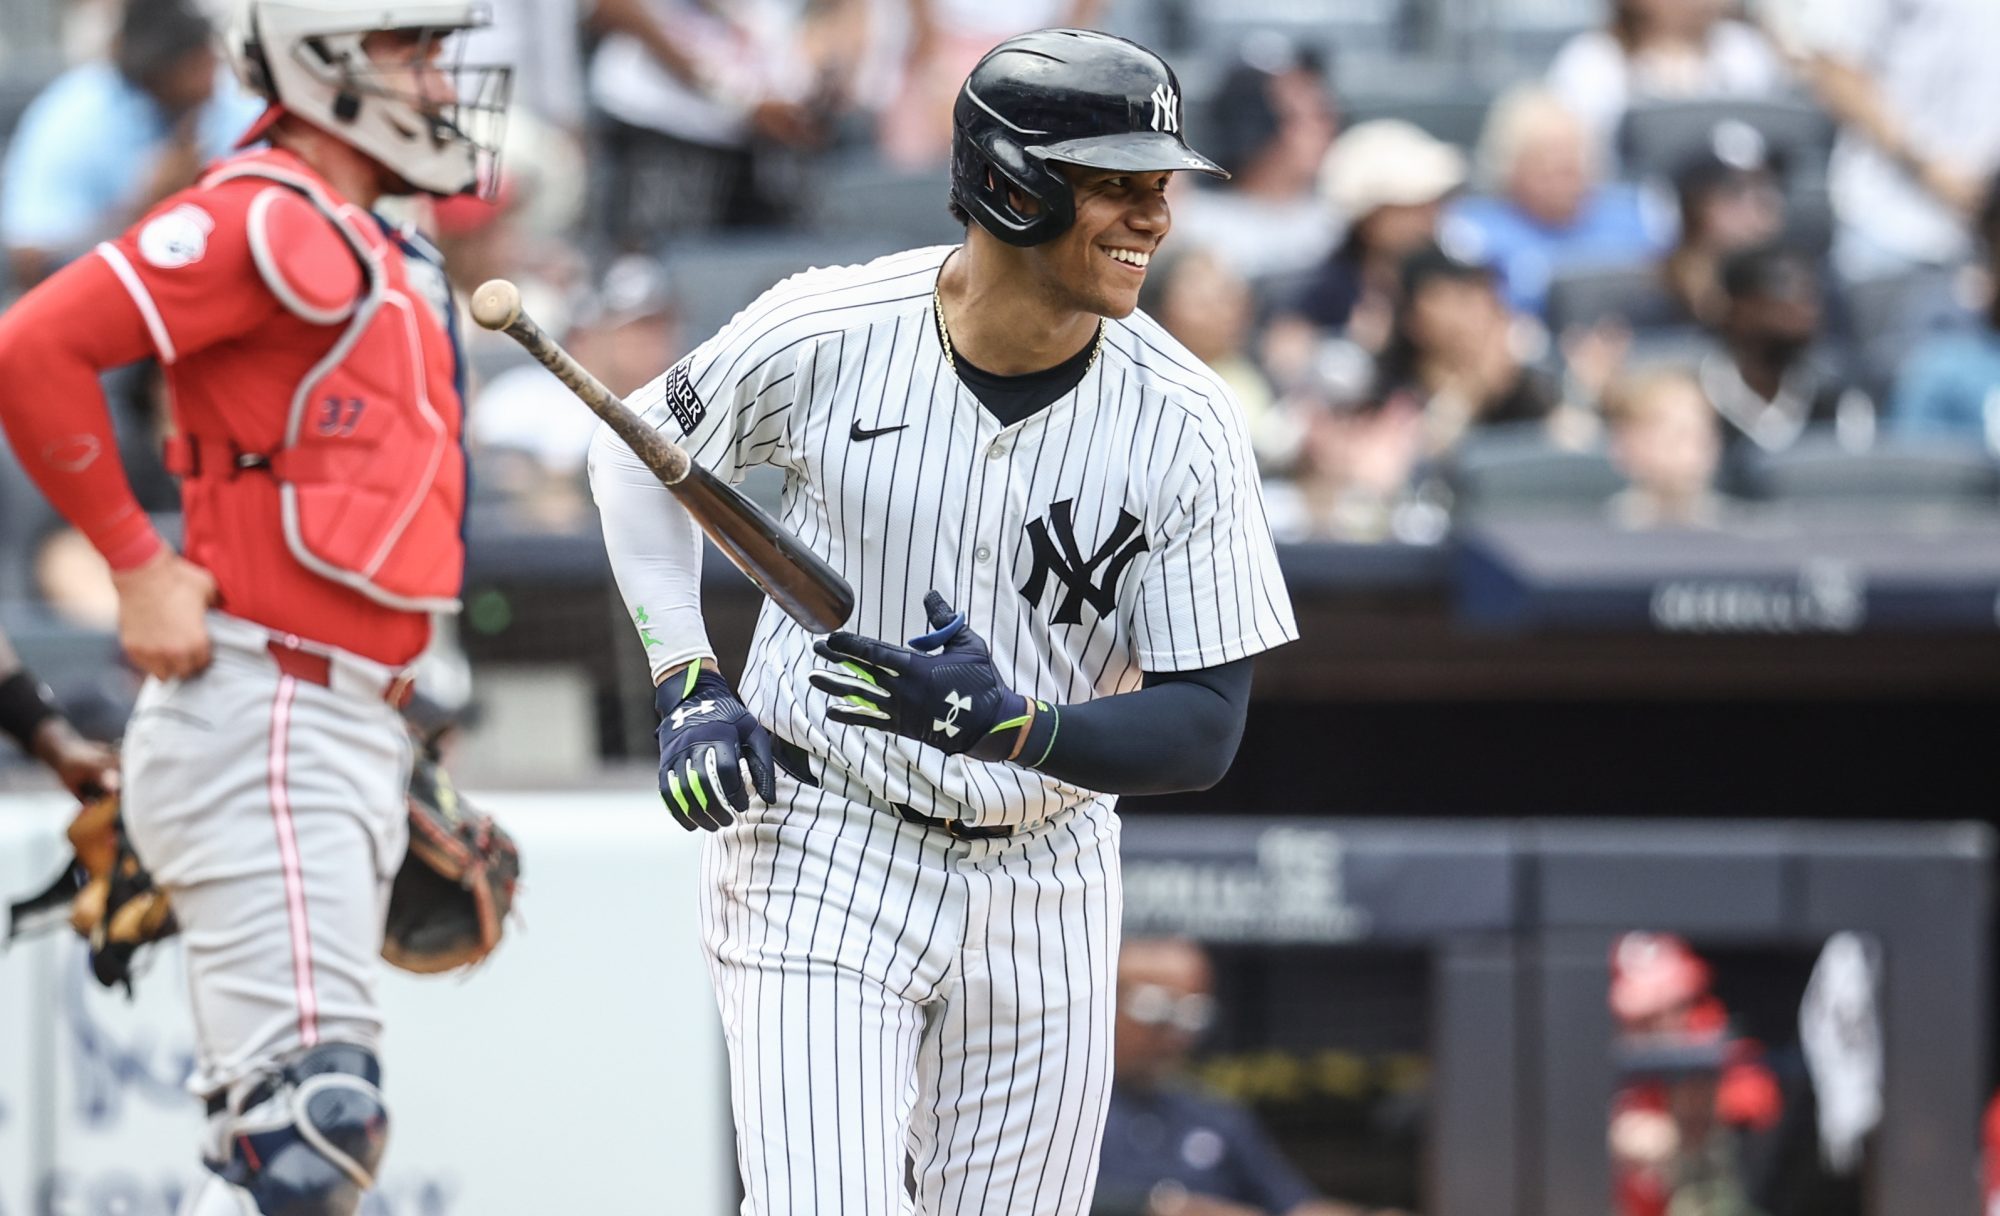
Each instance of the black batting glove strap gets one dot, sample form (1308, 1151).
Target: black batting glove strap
(707, 738)
(941, 690)
(24, 706)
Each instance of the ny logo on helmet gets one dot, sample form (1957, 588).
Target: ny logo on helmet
(1166, 110)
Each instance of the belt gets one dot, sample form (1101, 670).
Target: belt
(315, 668)
(796, 761)
(958, 828)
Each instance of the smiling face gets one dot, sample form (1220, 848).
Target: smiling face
(1098, 264)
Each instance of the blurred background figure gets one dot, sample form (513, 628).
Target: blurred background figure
(1661, 50)
(544, 41)
(1949, 387)
(1270, 123)
(1732, 197)
(711, 149)
(39, 728)
(1170, 1150)
(1351, 474)
(1690, 1089)
(1386, 181)
(1204, 301)
(1453, 355)
(109, 138)
(941, 42)
(1549, 205)
(1770, 379)
(1665, 439)
(528, 432)
(1912, 84)
(74, 582)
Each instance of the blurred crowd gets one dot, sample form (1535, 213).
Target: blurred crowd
(1637, 276)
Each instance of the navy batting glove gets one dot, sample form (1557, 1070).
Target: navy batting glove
(706, 739)
(942, 690)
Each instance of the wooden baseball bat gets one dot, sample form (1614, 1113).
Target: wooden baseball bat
(798, 580)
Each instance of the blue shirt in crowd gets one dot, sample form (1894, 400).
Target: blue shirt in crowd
(1209, 1146)
(1616, 225)
(84, 150)
(1950, 389)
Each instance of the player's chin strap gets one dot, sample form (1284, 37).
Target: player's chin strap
(307, 1141)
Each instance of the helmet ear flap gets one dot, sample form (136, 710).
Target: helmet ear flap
(982, 173)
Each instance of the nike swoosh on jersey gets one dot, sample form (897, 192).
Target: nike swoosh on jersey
(857, 433)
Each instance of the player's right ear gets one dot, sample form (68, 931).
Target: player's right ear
(1021, 203)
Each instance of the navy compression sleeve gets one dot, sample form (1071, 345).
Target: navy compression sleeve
(1178, 732)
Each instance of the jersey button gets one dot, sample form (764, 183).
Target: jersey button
(998, 450)
(983, 554)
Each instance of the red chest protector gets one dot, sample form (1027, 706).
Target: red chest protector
(370, 473)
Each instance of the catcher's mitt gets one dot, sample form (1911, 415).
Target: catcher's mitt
(450, 900)
(447, 907)
(108, 897)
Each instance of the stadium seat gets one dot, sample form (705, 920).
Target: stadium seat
(1902, 473)
(83, 666)
(1337, 27)
(24, 517)
(1454, 114)
(721, 274)
(1627, 291)
(1656, 138)
(1892, 315)
(1515, 468)
(1515, 37)
(863, 197)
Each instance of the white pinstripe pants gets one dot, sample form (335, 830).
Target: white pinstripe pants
(898, 1000)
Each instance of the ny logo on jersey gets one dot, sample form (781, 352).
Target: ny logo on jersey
(1166, 110)
(685, 712)
(1056, 552)
(949, 723)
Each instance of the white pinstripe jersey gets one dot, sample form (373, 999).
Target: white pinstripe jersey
(1118, 531)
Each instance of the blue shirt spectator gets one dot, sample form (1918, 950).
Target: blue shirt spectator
(1950, 389)
(1548, 206)
(1614, 226)
(107, 139)
(1168, 1150)
(1202, 1145)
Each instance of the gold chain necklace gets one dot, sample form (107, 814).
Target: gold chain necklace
(944, 334)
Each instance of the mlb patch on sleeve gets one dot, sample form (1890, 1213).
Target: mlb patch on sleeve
(685, 403)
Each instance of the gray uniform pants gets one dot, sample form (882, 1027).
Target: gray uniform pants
(271, 809)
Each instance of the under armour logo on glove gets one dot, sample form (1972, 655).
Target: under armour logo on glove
(942, 689)
(685, 712)
(712, 751)
(949, 723)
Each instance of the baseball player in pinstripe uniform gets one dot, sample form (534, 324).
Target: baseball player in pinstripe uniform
(913, 924)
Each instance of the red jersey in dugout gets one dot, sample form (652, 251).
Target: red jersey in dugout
(314, 392)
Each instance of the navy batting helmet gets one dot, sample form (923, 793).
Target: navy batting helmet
(1070, 96)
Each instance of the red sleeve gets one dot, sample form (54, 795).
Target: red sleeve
(53, 343)
(188, 269)
(180, 280)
